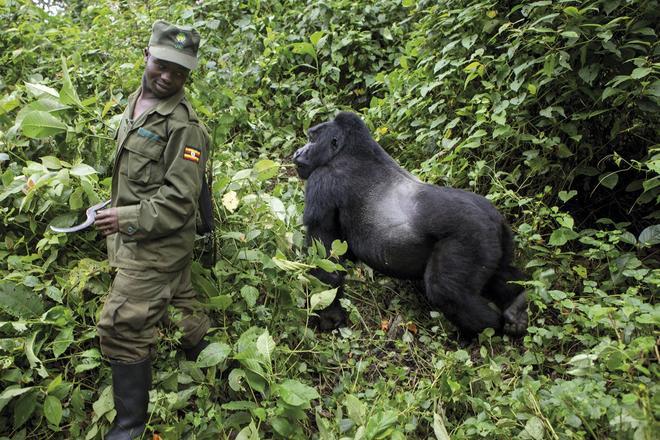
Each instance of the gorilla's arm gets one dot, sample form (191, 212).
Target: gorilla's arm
(322, 220)
(326, 230)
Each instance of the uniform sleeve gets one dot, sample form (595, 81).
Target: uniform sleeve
(175, 202)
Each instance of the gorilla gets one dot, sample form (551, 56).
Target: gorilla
(453, 241)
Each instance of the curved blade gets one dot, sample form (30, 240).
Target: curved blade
(91, 216)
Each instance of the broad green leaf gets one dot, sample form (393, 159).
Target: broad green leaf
(566, 221)
(82, 170)
(19, 301)
(315, 37)
(256, 380)
(535, 429)
(38, 90)
(321, 300)
(277, 208)
(283, 427)
(9, 103)
(640, 72)
(104, 404)
(213, 24)
(439, 428)
(75, 200)
(242, 175)
(54, 384)
(40, 124)
(51, 162)
(235, 379)
(265, 345)
(339, 247)
(570, 34)
(649, 318)
(250, 295)
(380, 425)
(566, 196)
(304, 48)
(266, 169)
(561, 236)
(357, 410)
(609, 91)
(250, 432)
(63, 340)
(650, 236)
(609, 180)
(213, 354)
(53, 410)
(24, 408)
(472, 66)
(220, 302)
(327, 265)
(47, 104)
(298, 394)
(11, 392)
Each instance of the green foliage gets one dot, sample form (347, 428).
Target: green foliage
(548, 108)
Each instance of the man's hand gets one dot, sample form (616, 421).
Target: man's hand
(107, 221)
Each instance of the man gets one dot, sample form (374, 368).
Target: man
(162, 149)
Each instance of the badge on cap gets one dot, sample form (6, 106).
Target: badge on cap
(192, 154)
(180, 39)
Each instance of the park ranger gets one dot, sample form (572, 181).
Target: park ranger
(159, 166)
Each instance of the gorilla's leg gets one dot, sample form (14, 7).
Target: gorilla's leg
(334, 315)
(454, 282)
(510, 298)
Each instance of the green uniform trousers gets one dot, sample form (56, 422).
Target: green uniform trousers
(138, 302)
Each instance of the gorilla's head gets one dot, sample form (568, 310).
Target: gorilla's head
(325, 141)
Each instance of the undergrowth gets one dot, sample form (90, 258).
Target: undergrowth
(547, 108)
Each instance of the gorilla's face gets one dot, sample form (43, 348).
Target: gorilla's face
(325, 141)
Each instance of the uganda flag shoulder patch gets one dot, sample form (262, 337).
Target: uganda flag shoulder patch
(192, 154)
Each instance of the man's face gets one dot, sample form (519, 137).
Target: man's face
(163, 78)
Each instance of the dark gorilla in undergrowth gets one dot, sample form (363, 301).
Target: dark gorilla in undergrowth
(455, 241)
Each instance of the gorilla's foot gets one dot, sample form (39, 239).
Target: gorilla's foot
(515, 316)
(331, 317)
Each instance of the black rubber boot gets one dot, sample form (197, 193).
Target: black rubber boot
(130, 386)
(193, 352)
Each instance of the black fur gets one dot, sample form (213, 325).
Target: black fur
(453, 240)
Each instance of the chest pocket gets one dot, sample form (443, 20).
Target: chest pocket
(145, 162)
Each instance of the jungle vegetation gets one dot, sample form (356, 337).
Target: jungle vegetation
(548, 108)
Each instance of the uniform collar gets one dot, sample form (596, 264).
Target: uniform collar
(167, 106)
(164, 106)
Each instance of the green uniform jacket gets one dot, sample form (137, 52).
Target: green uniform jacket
(156, 181)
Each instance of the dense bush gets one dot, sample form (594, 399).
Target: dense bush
(548, 108)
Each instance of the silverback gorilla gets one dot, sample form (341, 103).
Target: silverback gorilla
(455, 241)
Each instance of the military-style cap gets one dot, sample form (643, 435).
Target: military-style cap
(178, 44)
